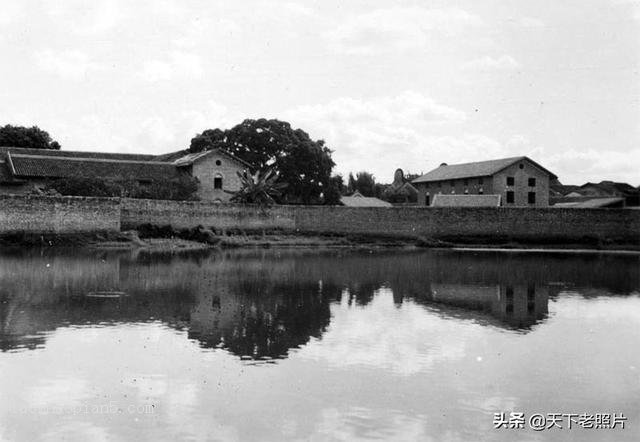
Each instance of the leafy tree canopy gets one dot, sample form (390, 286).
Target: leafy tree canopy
(365, 183)
(304, 164)
(30, 137)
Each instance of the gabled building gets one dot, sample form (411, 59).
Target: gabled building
(611, 189)
(21, 170)
(518, 181)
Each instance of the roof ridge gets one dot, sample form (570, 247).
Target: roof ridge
(104, 160)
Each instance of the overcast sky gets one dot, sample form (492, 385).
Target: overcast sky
(387, 84)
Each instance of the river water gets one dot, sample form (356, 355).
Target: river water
(318, 345)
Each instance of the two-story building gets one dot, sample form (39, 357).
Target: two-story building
(517, 181)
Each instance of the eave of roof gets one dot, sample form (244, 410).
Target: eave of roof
(41, 166)
(193, 157)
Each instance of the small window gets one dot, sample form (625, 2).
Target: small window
(509, 292)
(510, 197)
(217, 182)
(218, 162)
(426, 200)
(532, 182)
(531, 197)
(510, 181)
(521, 166)
(480, 180)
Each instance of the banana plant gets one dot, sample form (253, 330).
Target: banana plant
(259, 188)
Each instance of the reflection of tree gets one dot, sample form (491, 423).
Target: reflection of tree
(259, 321)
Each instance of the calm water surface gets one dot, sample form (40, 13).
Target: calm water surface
(293, 345)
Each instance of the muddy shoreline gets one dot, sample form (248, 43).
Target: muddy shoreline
(165, 239)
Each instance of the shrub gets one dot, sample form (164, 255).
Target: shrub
(181, 188)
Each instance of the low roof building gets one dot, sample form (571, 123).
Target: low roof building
(359, 200)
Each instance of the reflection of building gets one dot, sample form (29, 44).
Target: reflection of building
(261, 304)
(516, 305)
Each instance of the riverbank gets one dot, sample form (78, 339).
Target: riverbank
(165, 239)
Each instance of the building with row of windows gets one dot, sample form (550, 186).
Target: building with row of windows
(516, 181)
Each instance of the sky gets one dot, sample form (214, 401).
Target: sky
(387, 84)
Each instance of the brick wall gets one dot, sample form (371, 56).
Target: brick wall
(43, 214)
(187, 214)
(520, 222)
(76, 214)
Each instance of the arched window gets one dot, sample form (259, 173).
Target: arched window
(217, 181)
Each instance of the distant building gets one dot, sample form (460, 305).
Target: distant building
(630, 194)
(23, 169)
(359, 200)
(518, 181)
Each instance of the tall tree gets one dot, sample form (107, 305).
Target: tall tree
(30, 137)
(365, 183)
(351, 184)
(335, 190)
(304, 164)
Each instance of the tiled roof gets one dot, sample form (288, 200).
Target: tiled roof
(442, 200)
(471, 170)
(75, 154)
(612, 188)
(592, 203)
(357, 200)
(62, 167)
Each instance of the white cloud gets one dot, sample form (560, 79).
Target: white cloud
(398, 28)
(528, 22)
(574, 165)
(87, 17)
(486, 63)
(70, 64)
(177, 65)
(365, 338)
(12, 12)
(409, 130)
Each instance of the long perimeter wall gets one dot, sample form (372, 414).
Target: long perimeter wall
(62, 215)
(532, 223)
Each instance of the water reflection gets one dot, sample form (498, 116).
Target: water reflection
(261, 304)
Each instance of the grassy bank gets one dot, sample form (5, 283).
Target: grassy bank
(165, 238)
